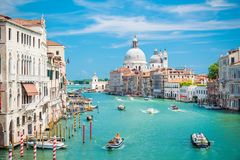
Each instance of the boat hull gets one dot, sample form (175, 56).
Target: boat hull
(200, 145)
(114, 146)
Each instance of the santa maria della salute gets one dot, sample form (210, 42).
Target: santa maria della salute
(135, 58)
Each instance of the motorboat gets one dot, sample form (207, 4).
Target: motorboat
(119, 99)
(116, 142)
(150, 110)
(89, 108)
(89, 117)
(146, 99)
(121, 107)
(174, 107)
(200, 140)
(47, 144)
(131, 98)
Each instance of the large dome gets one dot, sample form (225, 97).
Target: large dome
(135, 55)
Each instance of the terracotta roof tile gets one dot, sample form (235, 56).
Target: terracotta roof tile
(51, 43)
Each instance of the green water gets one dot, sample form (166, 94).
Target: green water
(165, 135)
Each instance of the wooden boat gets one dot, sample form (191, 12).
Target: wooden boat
(116, 142)
(89, 117)
(121, 107)
(199, 140)
(47, 144)
(174, 107)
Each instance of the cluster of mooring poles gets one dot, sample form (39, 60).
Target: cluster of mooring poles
(57, 131)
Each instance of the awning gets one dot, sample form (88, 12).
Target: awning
(30, 89)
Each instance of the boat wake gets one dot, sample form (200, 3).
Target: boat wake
(150, 111)
(119, 99)
(120, 148)
(179, 110)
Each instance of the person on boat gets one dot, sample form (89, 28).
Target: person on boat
(117, 137)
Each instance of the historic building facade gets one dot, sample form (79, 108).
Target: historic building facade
(23, 78)
(229, 80)
(56, 71)
(98, 85)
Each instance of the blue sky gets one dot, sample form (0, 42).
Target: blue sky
(97, 34)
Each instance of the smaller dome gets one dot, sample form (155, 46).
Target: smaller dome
(155, 59)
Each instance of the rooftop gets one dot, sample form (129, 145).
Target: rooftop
(51, 43)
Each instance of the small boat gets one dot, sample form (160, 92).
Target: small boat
(47, 144)
(131, 98)
(89, 117)
(121, 107)
(119, 99)
(150, 110)
(116, 142)
(146, 99)
(199, 140)
(174, 107)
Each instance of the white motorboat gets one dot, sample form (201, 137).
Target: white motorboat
(150, 110)
(199, 140)
(146, 99)
(116, 142)
(47, 144)
(121, 107)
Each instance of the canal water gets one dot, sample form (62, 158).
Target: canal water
(164, 135)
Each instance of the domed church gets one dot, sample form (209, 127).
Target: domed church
(135, 58)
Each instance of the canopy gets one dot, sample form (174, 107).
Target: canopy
(30, 89)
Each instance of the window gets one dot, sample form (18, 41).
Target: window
(33, 41)
(23, 120)
(9, 33)
(30, 38)
(57, 74)
(34, 117)
(18, 121)
(40, 115)
(22, 38)
(50, 74)
(38, 43)
(27, 39)
(57, 52)
(232, 60)
(17, 36)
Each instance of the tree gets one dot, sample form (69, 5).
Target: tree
(213, 71)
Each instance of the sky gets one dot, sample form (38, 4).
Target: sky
(97, 34)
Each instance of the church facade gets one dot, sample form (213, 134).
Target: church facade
(135, 58)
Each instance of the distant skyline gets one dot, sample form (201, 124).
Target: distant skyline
(97, 34)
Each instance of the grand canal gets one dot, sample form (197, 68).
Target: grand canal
(164, 135)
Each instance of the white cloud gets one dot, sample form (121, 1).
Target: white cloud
(122, 26)
(210, 5)
(9, 7)
(219, 3)
(97, 5)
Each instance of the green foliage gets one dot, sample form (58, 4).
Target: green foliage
(213, 71)
(188, 83)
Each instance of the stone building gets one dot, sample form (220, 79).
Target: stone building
(229, 80)
(56, 71)
(23, 78)
(97, 85)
